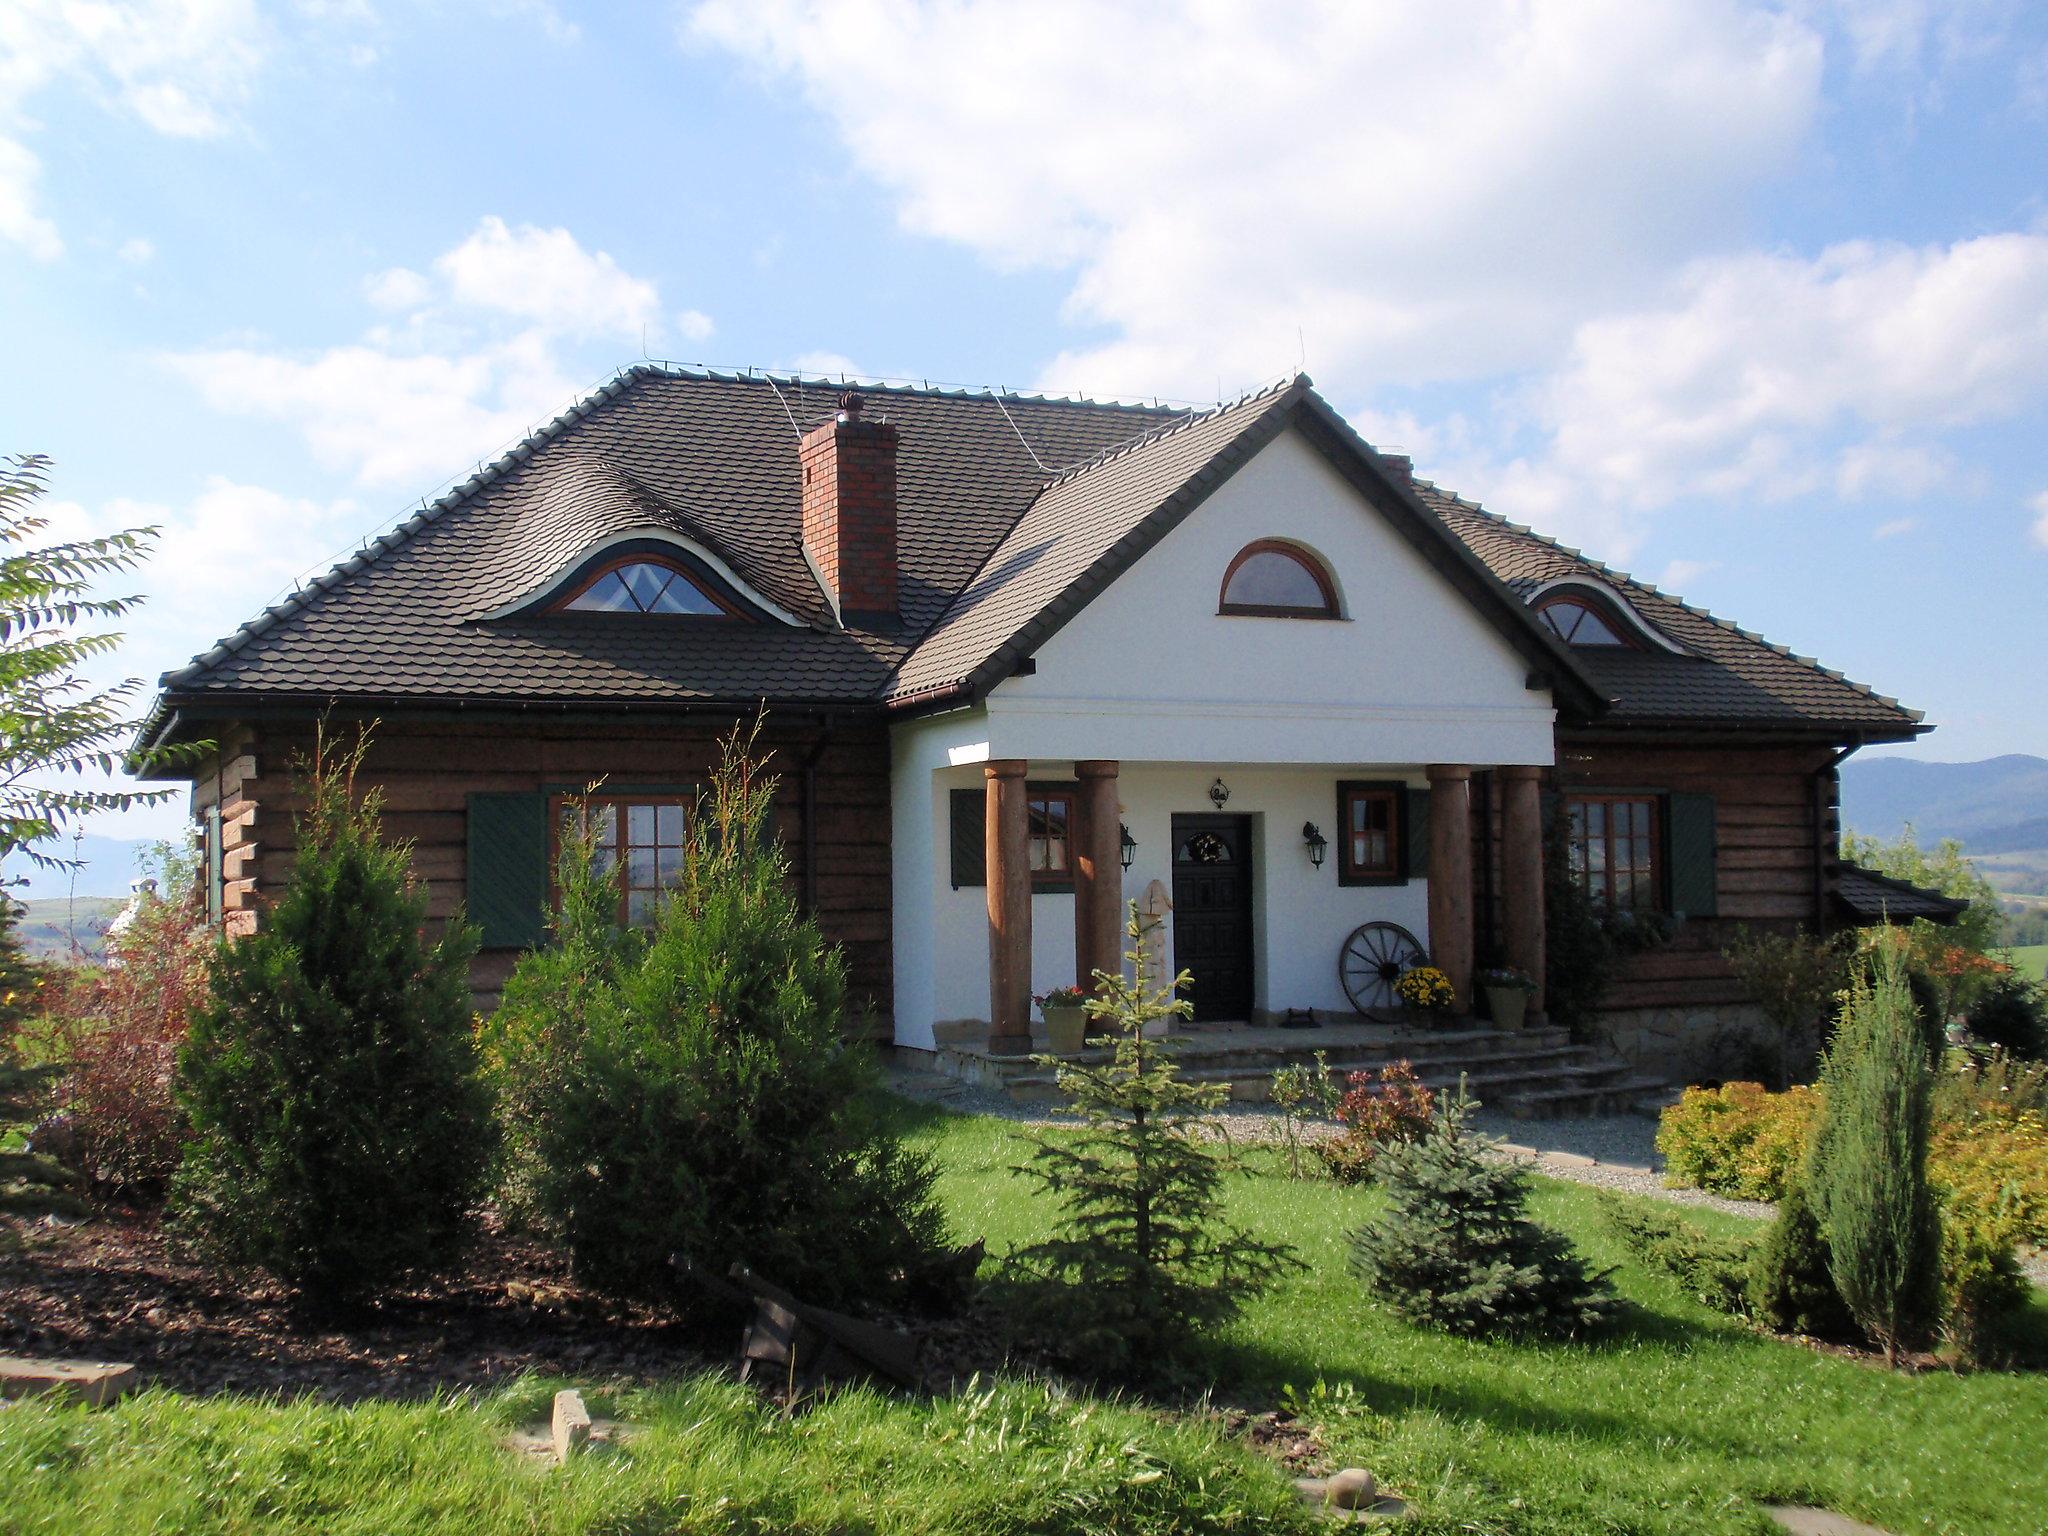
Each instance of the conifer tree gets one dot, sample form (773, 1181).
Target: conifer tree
(30, 1184)
(1454, 1249)
(1791, 1283)
(1141, 1259)
(342, 1128)
(1869, 1175)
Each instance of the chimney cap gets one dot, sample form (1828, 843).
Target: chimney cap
(850, 402)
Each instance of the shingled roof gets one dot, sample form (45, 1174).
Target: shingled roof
(1013, 512)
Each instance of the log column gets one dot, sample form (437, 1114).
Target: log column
(1008, 872)
(1450, 876)
(1098, 874)
(1521, 875)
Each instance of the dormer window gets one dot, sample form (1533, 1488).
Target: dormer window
(1577, 621)
(641, 584)
(1277, 580)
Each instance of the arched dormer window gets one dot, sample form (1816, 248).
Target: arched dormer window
(1594, 616)
(1579, 621)
(644, 583)
(1273, 579)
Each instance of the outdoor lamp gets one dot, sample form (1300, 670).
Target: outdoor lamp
(1219, 792)
(1318, 845)
(1128, 843)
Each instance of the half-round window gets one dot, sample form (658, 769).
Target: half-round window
(1577, 621)
(642, 585)
(1272, 579)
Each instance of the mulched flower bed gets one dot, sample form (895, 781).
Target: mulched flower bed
(115, 1289)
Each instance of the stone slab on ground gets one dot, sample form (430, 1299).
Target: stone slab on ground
(94, 1382)
(1316, 1493)
(571, 1426)
(1803, 1520)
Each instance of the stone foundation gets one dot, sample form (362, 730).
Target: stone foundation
(1687, 1045)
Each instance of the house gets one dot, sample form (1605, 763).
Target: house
(1024, 660)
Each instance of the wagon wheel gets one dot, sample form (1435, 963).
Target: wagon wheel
(1372, 960)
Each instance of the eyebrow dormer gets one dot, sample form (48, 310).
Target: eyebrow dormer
(1590, 615)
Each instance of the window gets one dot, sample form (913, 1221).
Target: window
(1271, 579)
(1614, 850)
(1049, 830)
(644, 585)
(1578, 621)
(1369, 848)
(641, 836)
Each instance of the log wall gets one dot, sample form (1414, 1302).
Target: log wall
(426, 770)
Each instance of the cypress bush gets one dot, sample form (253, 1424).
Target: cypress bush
(1869, 1180)
(1791, 1284)
(1141, 1260)
(2013, 1014)
(1455, 1251)
(691, 1092)
(342, 1129)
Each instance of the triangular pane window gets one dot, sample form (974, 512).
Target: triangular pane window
(645, 586)
(1576, 624)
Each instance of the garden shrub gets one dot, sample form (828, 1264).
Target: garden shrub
(1869, 1181)
(1454, 1250)
(1737, 1140)
(692, 1093)
(118, 1028)
(1791, 1286)
(1375, 1112)
(1141, 1259)
(2012, 1013)
(1713, 1270)
(30, 1184)
(1795, 979)
(1982, 1285)
(342, 1129)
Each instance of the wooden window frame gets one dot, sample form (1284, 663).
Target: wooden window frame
(616, 802)
(1625, 629)
(1300, 557)
(1395, 793)
(1052, 881)
(727, 608)
(1579, 845)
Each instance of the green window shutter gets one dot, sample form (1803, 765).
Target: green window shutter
(214, 873)
(1689, 846)
(508, 869)
(970, 830)
(1415, 834)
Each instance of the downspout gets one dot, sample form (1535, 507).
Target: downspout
(1823, 782)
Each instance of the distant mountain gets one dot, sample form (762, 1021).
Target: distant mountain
(1999, 805)
(108, 864)
(63, 929)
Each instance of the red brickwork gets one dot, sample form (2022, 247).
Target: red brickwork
(849, 473)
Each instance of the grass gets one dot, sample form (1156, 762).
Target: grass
(2033, 959)
(1679, 1422)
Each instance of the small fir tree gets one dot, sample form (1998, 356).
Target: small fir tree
(692, 1093)
(1791, 1285)
(1454, 1249)
(1141, 1260)
(342, 1127)
(1869, 1172)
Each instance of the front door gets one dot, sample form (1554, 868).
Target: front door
(1212, 912)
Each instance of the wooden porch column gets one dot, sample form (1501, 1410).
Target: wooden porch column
(1008, 869)
(1450, 876)
(1521, 874)
(1098, 875)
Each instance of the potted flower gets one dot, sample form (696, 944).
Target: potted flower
(1066, 1019)
(1507, 994)
(1427, 990)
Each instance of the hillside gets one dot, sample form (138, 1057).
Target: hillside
(106, 865)
(48, 927)
(1997, 809)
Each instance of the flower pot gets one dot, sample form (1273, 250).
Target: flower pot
(1066, 1030)
(1508, 1005)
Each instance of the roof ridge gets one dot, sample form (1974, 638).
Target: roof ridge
(1167, 429)
(925, 389)
(1613, 573)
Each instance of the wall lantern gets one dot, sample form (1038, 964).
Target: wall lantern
(1318, 845)
(1127, 843)
(1218, 793)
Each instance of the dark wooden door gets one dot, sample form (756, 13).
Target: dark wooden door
(1212, 912)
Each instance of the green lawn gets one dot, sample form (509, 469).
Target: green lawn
(1679, 1422)
(2033, 959)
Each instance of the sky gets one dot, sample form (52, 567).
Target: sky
(1750, 300)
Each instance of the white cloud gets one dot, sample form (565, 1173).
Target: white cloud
(2040, 506)
(20, 224)
(136, 251)
(397, 288)
(823, 365)
(1424, 196)
(545, 276)
(1894, 528)
(1681, 574)
(1890, 471)
(695, 325)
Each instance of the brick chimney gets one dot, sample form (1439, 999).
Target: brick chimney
(1399, 467)
(849, 474)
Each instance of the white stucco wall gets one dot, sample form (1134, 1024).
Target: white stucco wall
(1150, 675)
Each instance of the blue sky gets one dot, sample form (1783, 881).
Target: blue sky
(1751, 300)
